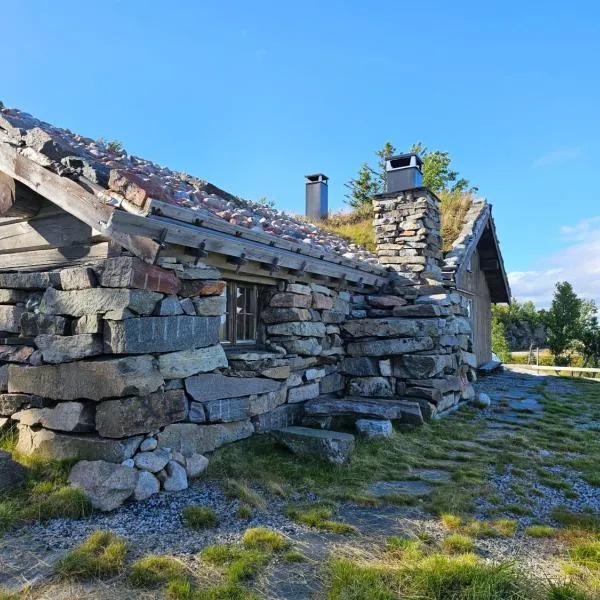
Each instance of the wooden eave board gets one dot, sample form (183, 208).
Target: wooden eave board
(186, 215)
(193, 236)
(71, 197)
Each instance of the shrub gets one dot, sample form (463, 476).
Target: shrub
(100, 555)
(199, 517)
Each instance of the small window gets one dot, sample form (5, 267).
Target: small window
(239, 324)
(469, 266)
(470, 309)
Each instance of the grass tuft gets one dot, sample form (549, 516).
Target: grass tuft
(319, 517)
(540, 531)
(100, 555)
(263, 539)
(199, 517)
(457, 543)
(153, 571)
(241, 491)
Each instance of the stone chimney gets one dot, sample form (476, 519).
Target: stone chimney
(407, 224)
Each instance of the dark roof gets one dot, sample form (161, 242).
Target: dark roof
(479, 233)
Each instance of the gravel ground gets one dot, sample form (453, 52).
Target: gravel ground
(155, 526)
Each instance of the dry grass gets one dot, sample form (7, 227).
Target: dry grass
(357, 226)
(453, 209)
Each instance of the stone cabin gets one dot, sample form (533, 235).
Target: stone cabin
(144, 308)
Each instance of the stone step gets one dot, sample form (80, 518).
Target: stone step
(375, 408)
(316, 444)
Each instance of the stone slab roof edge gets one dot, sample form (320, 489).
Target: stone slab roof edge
(456, 260)
(126, 181)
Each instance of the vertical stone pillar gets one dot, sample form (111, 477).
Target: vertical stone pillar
(407, 234)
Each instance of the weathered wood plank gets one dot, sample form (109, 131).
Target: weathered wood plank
(53, 257)
(71, 197)
(186, 215)
(48, 230)
(229, 245)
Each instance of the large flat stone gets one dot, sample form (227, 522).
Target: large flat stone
(299, 328)
(50, 444)
(303, 347)
(66, 416)
(404, 488)
(189, 438)
(105, 484)
(204, 388)
(33, 324)
(285, 315)
(361, 366)
(10, 318)
(16, 354)
(371, 408)
(375, 387)
(389, 347)
(129, 272)
(12, 403)
(190, 362)
(393, 327)
(303, 392)
(78, 303)
(29, 281)
(207, 306)
(422, 366)
(417, 310)
(239, 409)
(316, 444)
(142, 414)
(282, 416)
(60, 349)
(160, 334)
(93, 380)
(290, 300)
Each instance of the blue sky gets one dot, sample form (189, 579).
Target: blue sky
(252, 96)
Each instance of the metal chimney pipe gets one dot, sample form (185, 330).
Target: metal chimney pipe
(316, 196)
(403, 172)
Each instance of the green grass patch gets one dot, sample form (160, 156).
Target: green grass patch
(435, 577)
(588, 522)
(243, 512)
(153, 571)
(199, 517)
(241, 491)
(540, 531)
(319, 517)
(457, 543)
(263, 539)
(292, 555)
(102, 554)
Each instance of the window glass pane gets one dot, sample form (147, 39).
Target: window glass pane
(225, 325)
(245, 313)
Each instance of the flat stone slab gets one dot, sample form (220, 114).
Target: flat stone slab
(316, 444)
(431, 475)
(408, 488)
(11, 472)
(530, 405)
(160, 334)
(370, 408)
(204, 388)
(93, 380)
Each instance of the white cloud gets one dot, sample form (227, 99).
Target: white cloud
(578, 263)
(557, 157)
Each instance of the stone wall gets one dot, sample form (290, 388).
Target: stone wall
(121, 361)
